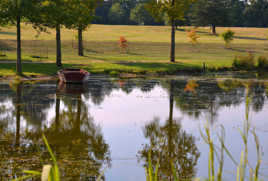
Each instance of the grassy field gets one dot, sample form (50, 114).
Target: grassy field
(148, 49)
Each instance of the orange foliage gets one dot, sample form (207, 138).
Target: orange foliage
(123, 43)
(193, 36)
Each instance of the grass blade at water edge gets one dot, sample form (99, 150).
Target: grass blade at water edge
(54, 174)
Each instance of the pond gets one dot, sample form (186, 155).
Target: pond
(109, 125)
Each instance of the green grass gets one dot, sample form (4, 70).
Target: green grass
(149, 48)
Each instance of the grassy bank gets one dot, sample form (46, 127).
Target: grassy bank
(148, 50)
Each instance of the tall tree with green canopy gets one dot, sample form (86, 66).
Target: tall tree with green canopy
(139, 15)
(81, 14)
(12, 12)
(210, 12)
(117, 14)
(256, 13)
(54, 14)
(175, 10)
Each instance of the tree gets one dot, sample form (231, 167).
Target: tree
(81, 14)
(236, 9)
(256, 14)
(102, 13)
(54, 15)
(138, 14)
(175, 10)
(116, 14)
(228, 36)
(13, 11)
(210, 12)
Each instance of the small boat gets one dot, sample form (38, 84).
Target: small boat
(73, 75)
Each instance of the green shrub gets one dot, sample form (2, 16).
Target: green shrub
(262, 62)
(114, 73)
(228, 36)
(244, 62)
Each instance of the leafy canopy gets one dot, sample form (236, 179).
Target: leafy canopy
(174, 9)
(81, 13)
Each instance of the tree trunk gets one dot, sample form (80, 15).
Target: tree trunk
(18, 65)
(18, 112)
(173, 27)
(172, 48)
(213, 29)
(58, 46)
(80, 42)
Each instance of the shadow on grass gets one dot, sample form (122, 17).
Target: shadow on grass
(5, 47)
(242, 50)
(207, 33)
(7, 33)
(180, 29)
(32, 68)
(4, 59)
(248, 38)
(168, 67)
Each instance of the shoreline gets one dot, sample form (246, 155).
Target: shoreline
(209, 74)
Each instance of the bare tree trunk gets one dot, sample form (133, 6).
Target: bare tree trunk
(172, 48)
(80, 42)
(58, 39)
(213, 29)
(18, 65)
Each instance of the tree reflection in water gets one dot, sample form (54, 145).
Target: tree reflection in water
(78, 143)
(169, 143)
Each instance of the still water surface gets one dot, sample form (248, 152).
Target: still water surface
(110, 124)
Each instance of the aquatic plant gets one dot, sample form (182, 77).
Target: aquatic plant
(263, 62)
(49, 172)
(217, 152)
(243, 164)
(244, 62)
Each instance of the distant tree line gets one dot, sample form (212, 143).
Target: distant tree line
(236, 13)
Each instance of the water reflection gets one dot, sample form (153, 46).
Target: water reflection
(170, 143)
(78, 120)
(78, 143)
(195, 98)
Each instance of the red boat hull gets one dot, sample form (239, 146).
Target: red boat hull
(71, 75)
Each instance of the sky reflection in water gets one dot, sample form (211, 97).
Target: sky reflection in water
(111, 122)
